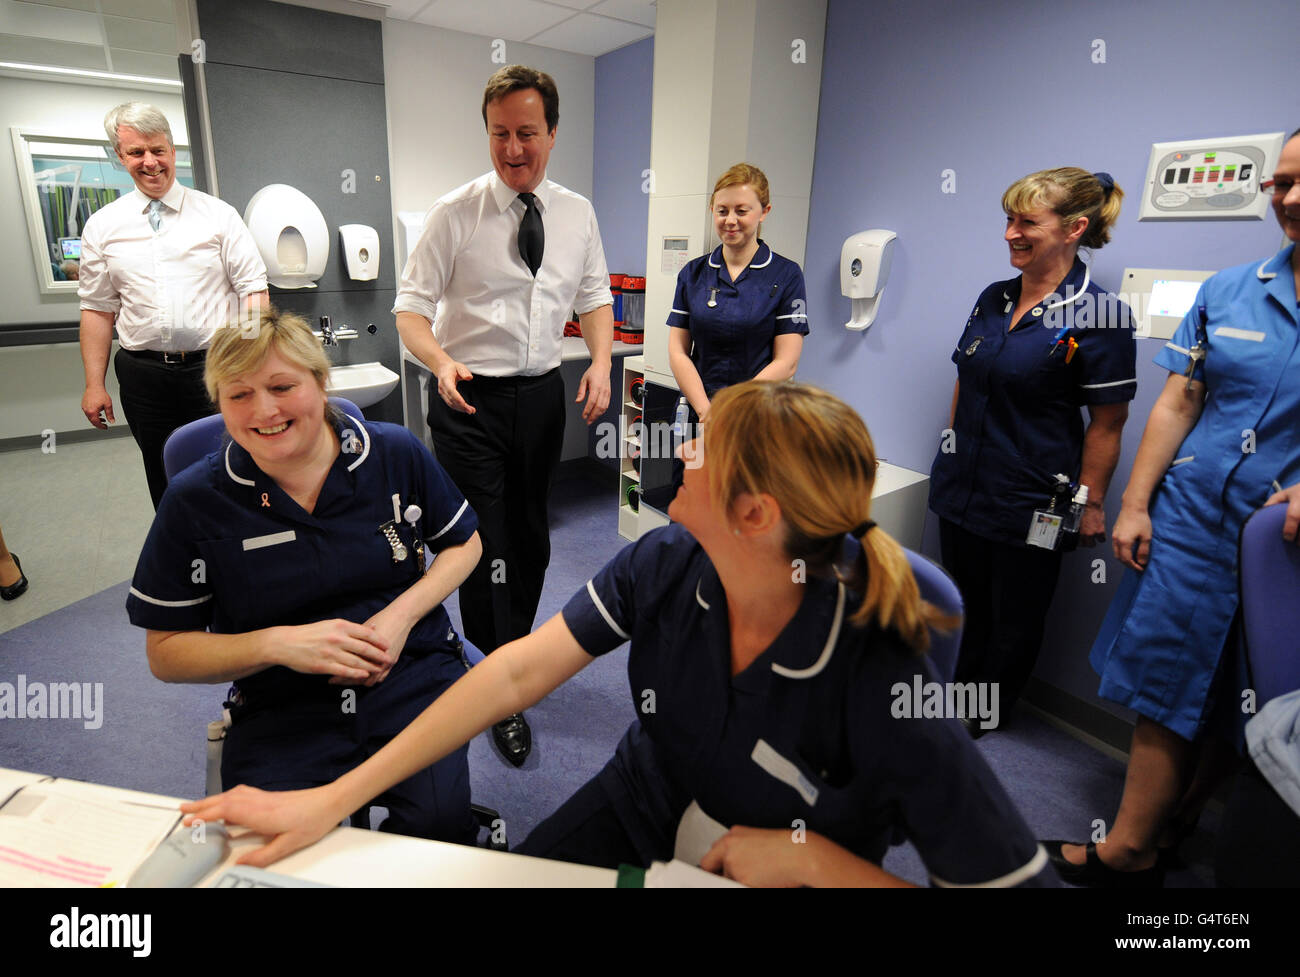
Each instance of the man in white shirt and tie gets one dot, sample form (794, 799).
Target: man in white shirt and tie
(168, 266)
(483, 300)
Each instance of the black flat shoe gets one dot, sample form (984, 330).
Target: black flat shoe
(513, 738)
(16, 590)
(1096, 874)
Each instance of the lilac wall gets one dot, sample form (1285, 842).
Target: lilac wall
(622, 151)
(993, 91)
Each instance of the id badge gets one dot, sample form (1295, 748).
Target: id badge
(1044, 529)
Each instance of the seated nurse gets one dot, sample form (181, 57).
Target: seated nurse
(767, 698)
(291, 563)
(739, 313)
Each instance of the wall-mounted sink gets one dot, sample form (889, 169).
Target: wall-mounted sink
(362, 383)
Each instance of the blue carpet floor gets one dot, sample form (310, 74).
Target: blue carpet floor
(152, 736)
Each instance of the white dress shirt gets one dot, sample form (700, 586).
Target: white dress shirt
(465, 276)
(171, 289)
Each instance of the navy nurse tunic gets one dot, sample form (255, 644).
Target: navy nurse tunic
(1018, 421)
(229, 551)
(733, 340)
(806, 732)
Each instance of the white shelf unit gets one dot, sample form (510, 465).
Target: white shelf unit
(629, 474)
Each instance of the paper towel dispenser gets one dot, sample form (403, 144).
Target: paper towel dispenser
(291, 235)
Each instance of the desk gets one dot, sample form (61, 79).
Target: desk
(574, 358)
(352, 857)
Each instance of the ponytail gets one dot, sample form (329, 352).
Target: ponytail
(891, 595)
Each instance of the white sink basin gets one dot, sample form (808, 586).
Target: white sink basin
(362, 383)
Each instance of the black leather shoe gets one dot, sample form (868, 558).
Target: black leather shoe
(974, 728)
(513, 738)
(16, 590)
(1096, 874)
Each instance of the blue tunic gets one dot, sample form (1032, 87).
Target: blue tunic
(807, 733)
(1161, 641)
(734, 339)
(1018, 421)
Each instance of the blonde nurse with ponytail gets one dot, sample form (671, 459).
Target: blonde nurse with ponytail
(774, 628)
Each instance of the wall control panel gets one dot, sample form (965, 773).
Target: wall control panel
(1210, 179)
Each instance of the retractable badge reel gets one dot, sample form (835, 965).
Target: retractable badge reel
(1045, 526)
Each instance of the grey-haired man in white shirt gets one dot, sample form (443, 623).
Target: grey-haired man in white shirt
(167, 266)
(483, 300)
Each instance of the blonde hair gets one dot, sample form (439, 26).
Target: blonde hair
(242, 347)
(811, 452)
(1070, 193)
(739, 175)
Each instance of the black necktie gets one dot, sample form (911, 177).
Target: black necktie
(532, 238)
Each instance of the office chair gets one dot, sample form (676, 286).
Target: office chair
(1259, 835)
(938, 588)
(192, 441)
(197, 439)
(1269, 571)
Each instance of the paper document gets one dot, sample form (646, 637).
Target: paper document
(679, 875)
(58, 834)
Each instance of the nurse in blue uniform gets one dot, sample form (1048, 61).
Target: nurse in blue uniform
(1035, 351)
(775, 707)
(740, 312)
(1223, 439)
(291, 562)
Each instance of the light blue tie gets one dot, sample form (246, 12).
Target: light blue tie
(155, 214)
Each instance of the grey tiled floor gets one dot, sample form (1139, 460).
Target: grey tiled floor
(77, 518)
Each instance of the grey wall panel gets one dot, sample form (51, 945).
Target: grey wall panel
(356, 309)
(285, 113)
(255, 33)
(321, 135)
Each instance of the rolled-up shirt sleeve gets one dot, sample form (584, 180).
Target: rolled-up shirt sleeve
(243, 262)
(594, 291)
(430, 266)
(95, 287)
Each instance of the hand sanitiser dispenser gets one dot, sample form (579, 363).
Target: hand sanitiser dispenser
(865, 261)
(291, 235)
(360, 251)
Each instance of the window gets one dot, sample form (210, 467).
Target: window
(64, 180)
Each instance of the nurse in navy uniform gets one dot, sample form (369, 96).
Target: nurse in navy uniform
(1036, 350)
(292, 563)
(740, 312)
(768, 701)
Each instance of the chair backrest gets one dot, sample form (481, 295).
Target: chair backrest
(1269, 569)
(938, 588)
(192, 441)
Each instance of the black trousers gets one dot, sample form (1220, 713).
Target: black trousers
(503, 457)
(157, 398)
(1007, 591)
